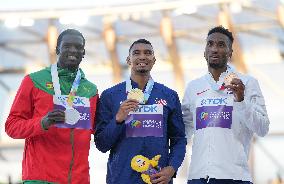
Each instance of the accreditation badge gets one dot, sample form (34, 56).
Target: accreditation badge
(146, 121)
(76, 117)
(214, 112)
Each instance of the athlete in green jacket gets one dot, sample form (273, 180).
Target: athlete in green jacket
(54, 112)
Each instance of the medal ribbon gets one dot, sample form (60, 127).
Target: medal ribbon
(56, 85)
(147, 91)
(214, 85)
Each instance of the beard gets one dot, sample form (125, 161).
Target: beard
(217, 65)
(142, 71)
(214, 65)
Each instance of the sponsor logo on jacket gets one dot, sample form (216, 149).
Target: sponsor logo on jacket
(214, 101)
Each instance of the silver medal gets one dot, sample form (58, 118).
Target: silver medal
(72, 116)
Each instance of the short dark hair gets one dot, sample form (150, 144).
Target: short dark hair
(221, 29)
(141, 40)
(68, 32)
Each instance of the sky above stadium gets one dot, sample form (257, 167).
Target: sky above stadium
(44, 4)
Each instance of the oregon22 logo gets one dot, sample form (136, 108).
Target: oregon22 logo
(204, 115)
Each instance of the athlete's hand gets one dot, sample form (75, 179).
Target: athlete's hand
(238, 89)
(164, 176)
(125, 107)
(53, 117)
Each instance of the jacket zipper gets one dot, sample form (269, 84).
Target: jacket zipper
(72, 159)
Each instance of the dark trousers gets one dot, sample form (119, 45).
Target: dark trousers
(217, 181)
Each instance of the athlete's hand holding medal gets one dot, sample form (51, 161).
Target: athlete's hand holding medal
(234, 84)
(57, 116)
(53, 117)
(136, 94)
(134, 97)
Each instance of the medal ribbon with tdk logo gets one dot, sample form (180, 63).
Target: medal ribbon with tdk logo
(147, 91)
(56, 85)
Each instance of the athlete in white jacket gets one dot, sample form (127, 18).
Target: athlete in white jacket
(222, 109)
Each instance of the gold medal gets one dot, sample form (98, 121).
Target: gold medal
(228, 79)
(136, 94)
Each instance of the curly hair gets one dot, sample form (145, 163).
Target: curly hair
(221, 29)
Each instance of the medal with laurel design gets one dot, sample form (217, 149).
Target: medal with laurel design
(72, 116)
(136, 94)
(228, 79)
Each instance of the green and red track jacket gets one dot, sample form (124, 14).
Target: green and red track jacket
(56, 155)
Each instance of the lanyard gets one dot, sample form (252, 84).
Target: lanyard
(56, 86)
(147, 91)
(214, 85)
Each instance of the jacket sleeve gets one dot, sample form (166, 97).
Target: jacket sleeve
(187, 114)
(176, 135)
(20, 123)
(252, 111)
(108, 132)
(93, 108)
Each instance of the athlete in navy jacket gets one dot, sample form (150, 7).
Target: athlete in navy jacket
(155, 133)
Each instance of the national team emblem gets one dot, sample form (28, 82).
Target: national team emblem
(161, 101)
(49, 85)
